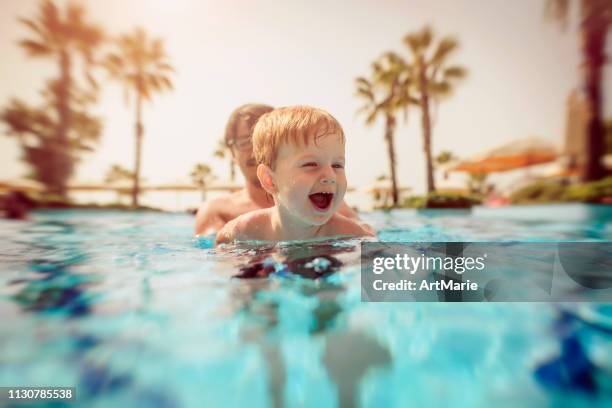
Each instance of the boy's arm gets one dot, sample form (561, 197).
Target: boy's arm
(227, 234)
(348, 227)
(349, 213)
(208, 218)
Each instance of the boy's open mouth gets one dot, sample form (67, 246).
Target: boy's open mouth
(321, 201)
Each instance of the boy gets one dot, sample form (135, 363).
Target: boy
(300, 156)
(215, 213)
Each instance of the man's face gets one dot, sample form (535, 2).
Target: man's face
(310, 180)
(242, 150)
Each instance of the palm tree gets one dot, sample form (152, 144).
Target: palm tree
(140, 64)
(62, 36)
(201, 175)
(118, 173)
(444, 157)
(386, 94)
(224, 151)
(433, 80)
(595, 21)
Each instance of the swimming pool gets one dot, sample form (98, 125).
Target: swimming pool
(132, 311)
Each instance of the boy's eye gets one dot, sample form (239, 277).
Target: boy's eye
(309, 164)
(338, 166)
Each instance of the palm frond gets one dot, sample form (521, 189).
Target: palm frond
(419, 41)
(439, 89)
(454, 72)
(34, 26)
(36, 49)
(366, 94)
(371, 118)
(362, 82)
(140, 63)
(445, 47)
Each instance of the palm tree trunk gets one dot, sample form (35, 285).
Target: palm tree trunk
(593, 46)
(426, 124)
(63, 165)
(389, 132)
(137, 150)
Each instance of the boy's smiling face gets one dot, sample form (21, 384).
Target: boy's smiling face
(309, 180)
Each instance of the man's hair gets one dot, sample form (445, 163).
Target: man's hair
(298, 125)
(249, 113)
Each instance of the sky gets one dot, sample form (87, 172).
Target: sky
(521, 69)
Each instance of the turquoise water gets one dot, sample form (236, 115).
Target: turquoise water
(132, 311)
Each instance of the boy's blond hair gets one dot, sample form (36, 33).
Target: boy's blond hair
(297, 125)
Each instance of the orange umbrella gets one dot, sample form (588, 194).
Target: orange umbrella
(514, 155)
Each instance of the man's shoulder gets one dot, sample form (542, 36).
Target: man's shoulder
(218, 202)
(218, 205)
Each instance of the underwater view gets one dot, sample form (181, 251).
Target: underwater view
(132, 311)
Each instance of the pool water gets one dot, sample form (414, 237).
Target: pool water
(132, 311)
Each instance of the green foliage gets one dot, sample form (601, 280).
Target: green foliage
(592, 192)
(451, 200)
(445, 156)
(539, 192)
(414, 202)
(545, 192)
(442, 200)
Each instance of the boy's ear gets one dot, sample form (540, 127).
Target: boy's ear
(266, 178)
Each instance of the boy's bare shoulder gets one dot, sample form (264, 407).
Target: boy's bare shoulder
(252, 225)
(341, 225)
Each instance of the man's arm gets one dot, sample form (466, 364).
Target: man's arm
(208, 218)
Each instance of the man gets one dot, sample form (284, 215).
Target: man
(214, 214)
